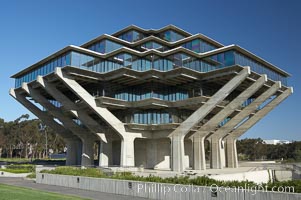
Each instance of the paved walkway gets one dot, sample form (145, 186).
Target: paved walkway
(64, 190)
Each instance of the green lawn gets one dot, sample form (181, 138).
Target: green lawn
(8, 192)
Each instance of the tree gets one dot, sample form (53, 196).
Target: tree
(23, 136)
(27, 133)
(9, 132)
(2, 136)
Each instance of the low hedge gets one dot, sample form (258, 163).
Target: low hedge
(32, 175)
(74, 171)
(185, 180)
(26, 168)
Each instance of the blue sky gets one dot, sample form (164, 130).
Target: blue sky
(31, 30)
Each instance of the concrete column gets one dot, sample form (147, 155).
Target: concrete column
(188, 150)
(151, 151)
(177, 152)
(231, 154)
(216, 149)
(105, 153)
(87, 152)
(223, 154)
(199, 160)
(74, 149)
(127, 158)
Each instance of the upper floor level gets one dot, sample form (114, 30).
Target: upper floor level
(141, 50)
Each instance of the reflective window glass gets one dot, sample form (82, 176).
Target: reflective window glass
(171, 36)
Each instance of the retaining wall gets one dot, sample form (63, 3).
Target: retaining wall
(159, 190)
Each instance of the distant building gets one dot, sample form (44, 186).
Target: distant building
(274, 142)
(151, 98)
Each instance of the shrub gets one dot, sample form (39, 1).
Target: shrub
(26, 168)
(73, 171)
(32, 175)
(185, 180)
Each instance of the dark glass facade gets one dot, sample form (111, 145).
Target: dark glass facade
(131, 36)
(199, 46)
(93, 63)
(171, 36)
(153, 90)
(230, 58)
(154, 45)
(152, 117)
(44, 69)
(105, 46)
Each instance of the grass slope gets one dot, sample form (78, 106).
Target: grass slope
(18, 193)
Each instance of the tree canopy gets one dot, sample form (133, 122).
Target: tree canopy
(256, 149)
(24, 138)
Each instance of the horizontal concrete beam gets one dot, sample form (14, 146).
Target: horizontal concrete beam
(127, 74)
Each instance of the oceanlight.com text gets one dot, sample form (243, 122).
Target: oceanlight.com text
(178, 188)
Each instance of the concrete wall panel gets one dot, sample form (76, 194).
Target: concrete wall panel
(140, 152)
(163, 154)
(158, 190)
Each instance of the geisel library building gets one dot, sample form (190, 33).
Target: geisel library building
(151, 98)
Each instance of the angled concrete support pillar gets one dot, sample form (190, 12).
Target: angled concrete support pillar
(82, 115)
(81, 93)
(236, 133)
(105, 153)
(177, 136)
(127, 152)
(261, 113)
(127, 138)
(74, 152)
(69, 137)
(86, 137)
(229, 126)
(199, 162)
(224, 130)
(213, 123)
